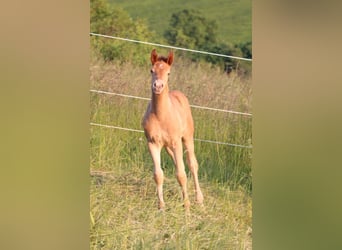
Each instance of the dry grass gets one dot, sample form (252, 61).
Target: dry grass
(125, 216)
(202, 84)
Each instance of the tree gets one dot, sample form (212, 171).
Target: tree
(246, 49)
(108, 20)
(188, 28)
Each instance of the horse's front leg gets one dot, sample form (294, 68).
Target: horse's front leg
(157, 172)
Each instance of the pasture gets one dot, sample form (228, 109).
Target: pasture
(123, 202)
(233, 17)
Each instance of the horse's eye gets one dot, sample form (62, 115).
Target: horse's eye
(151, 71)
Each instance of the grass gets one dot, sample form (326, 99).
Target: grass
(234, 18)
(124, 216)
(123, 202)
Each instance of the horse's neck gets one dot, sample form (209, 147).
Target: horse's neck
(161, 104)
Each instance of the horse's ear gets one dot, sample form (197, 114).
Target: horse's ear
(154, 56)
(170, 58)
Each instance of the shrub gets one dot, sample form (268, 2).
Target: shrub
(107, 20)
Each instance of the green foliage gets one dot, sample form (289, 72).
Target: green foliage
(246, 49)
(107, 20)
(233, 17)
(188, 28)
(223, 48)
(241, 50)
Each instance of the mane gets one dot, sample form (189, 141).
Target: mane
(162, 58)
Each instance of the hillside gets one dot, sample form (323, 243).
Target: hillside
(234, 18)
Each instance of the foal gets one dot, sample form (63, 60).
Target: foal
(167, 123)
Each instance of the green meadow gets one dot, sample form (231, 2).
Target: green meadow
(123, 202)
(233, 17)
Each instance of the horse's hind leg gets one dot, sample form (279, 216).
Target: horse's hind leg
(177, 150)
(193, 166)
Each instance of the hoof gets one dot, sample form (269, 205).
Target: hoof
(199, 198)
(187, 204)
(161, 206)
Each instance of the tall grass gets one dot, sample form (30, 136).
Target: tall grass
(123, 201)
(204, 86)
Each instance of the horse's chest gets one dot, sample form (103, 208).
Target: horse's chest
(160, 138)
(162, 133)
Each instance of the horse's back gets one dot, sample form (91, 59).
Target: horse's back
(178, 98)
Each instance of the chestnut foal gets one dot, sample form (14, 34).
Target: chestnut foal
(167, 123)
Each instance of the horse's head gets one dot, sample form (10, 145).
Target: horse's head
(160, 71)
